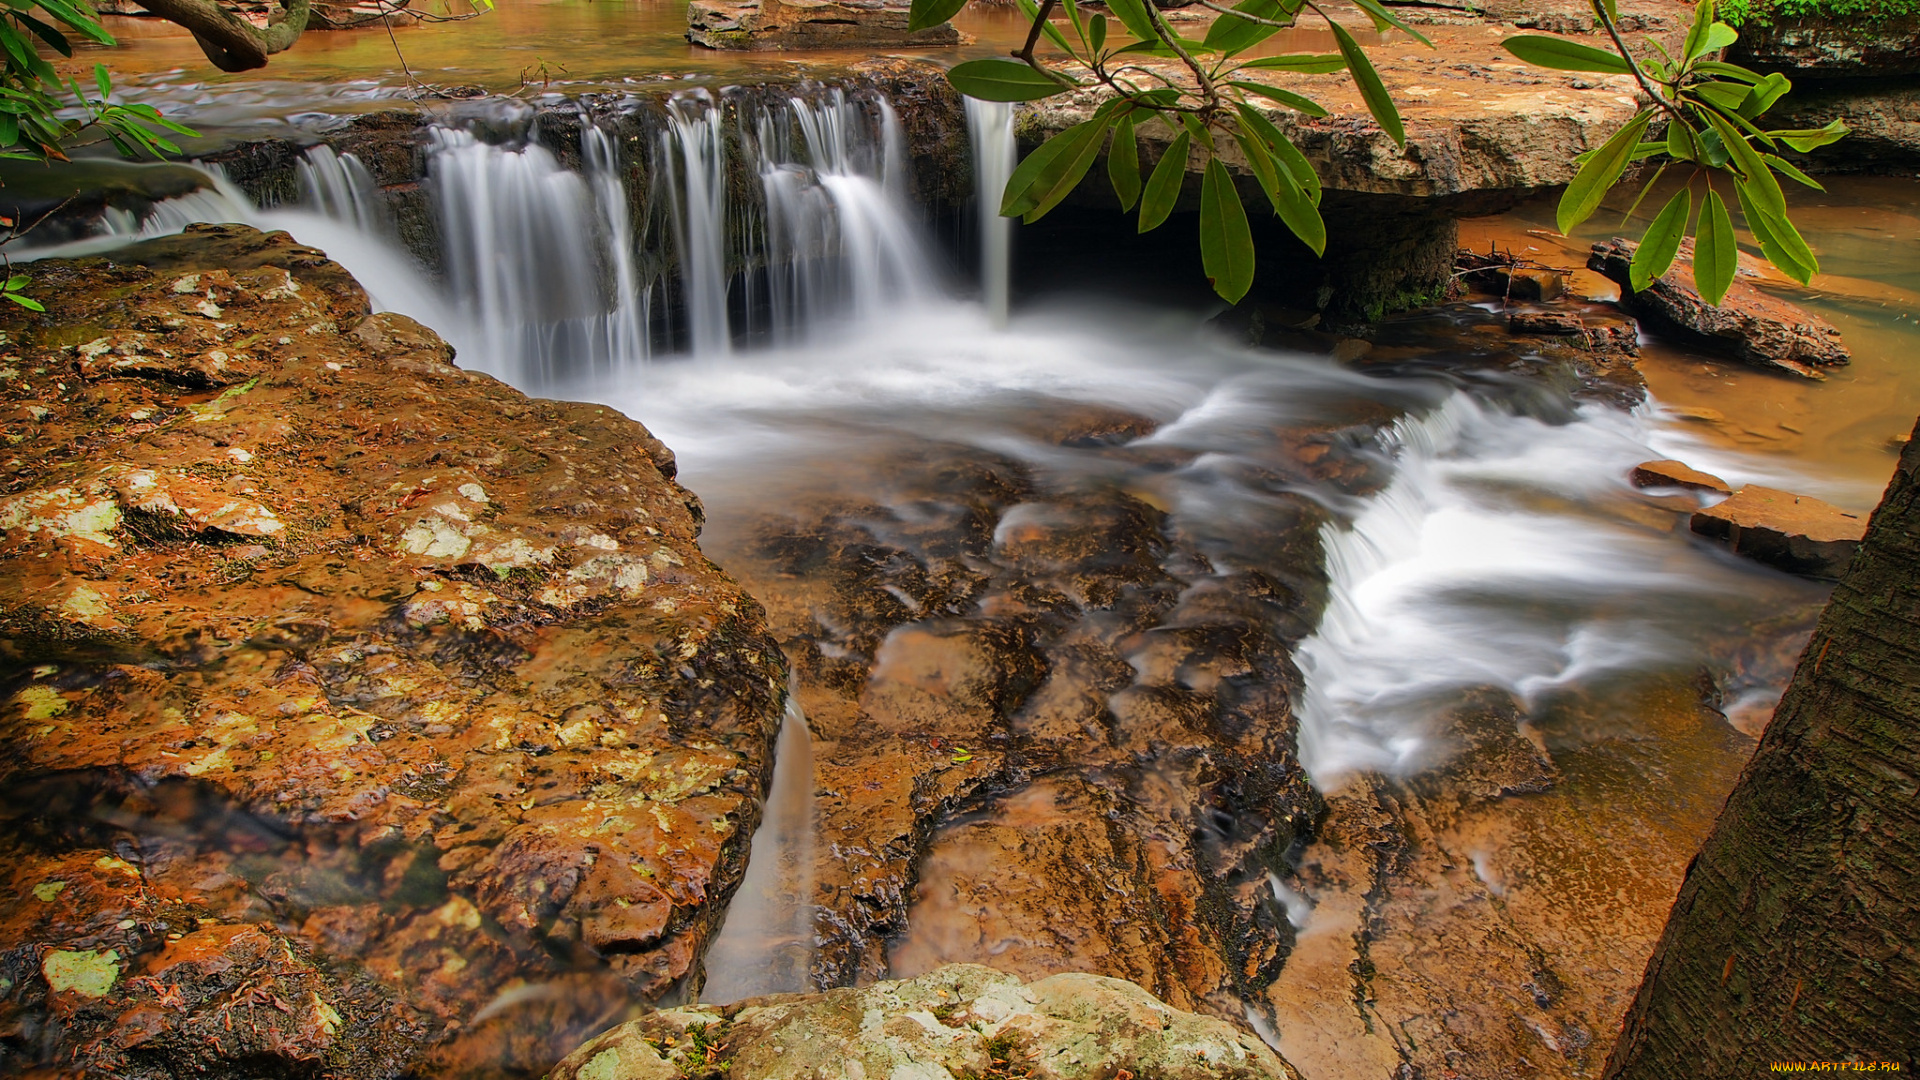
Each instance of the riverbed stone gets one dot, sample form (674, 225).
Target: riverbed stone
(357, 659)
(1751, 324)
(1797, 533)
(955, 1022)
(1669, 473)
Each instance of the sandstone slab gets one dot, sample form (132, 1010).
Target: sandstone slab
(1670, 473)
(956, 1022)
(809, 24)
(326, 636)
(1796, 533)
(1748, 323)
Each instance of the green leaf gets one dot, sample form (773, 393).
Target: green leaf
(15, 283)
(1697, 36)
(55, 40)
(1284, 151)
(928, 13)
(1806, 140)
(1681, 145)
(101, 80)
(1259, 161)
(1563, 55)
(1123, 164)
(1379, 102)
(1726, 95)
(1310, 63)
(1097, 34)
(1040, 174)
(1598, 175)
(1764, 94)
(1230, 34)
(1382, 19)
(1285, 97)
(1133, 15)
(1226, 241)
(1747, 160)
(1786, 168)
(1728, 71)
(1300, 211)
(1163, 186)
(1719, 36)
(1662, 241)
(1198, 129)
(1780, 242)
(996, 79)
(1715, 253)
(1073, 17)
(29, 304)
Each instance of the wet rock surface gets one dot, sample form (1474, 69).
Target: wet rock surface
(1753, 325)
(954, 1022)
(1050, 733)
(809, 24)
(1669, 473)
(1797, 533)
(348, 692)
(1816, 48)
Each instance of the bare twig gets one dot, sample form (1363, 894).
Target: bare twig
(1646, 84)
(1033, 32)
(1243, 15)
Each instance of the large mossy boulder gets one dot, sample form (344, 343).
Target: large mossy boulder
(308, 629)
(952, 1023)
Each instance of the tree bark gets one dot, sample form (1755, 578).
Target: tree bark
(231, 42)
(1796, 935)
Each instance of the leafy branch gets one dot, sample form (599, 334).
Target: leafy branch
(1711, 109)
(1205, 105)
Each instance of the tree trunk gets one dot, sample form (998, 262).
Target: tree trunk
(1796, 936)
(231, 42)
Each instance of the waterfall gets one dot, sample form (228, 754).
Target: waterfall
(627, 326)
(526, 248)
(694, 151)
(839, 237)
(340, 187)
(990, 126)
(766, 944)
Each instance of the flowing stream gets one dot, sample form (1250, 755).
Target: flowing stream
(1473, 530)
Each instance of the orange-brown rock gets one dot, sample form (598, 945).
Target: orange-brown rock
(1050, 735)
(1797, 533)
(1669, 473)
(1755, 326)
(324, 636)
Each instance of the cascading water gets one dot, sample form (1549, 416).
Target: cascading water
(1492, 558)
(838, 237)
(766, 944)
(534, 259)
(339, 186)
(990, 125)
(694, 149)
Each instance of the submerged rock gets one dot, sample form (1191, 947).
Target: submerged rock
(1796, 533)
(1750, 324)
(334, 644)
(955, 1022)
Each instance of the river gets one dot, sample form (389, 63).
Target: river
(1082, 560)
